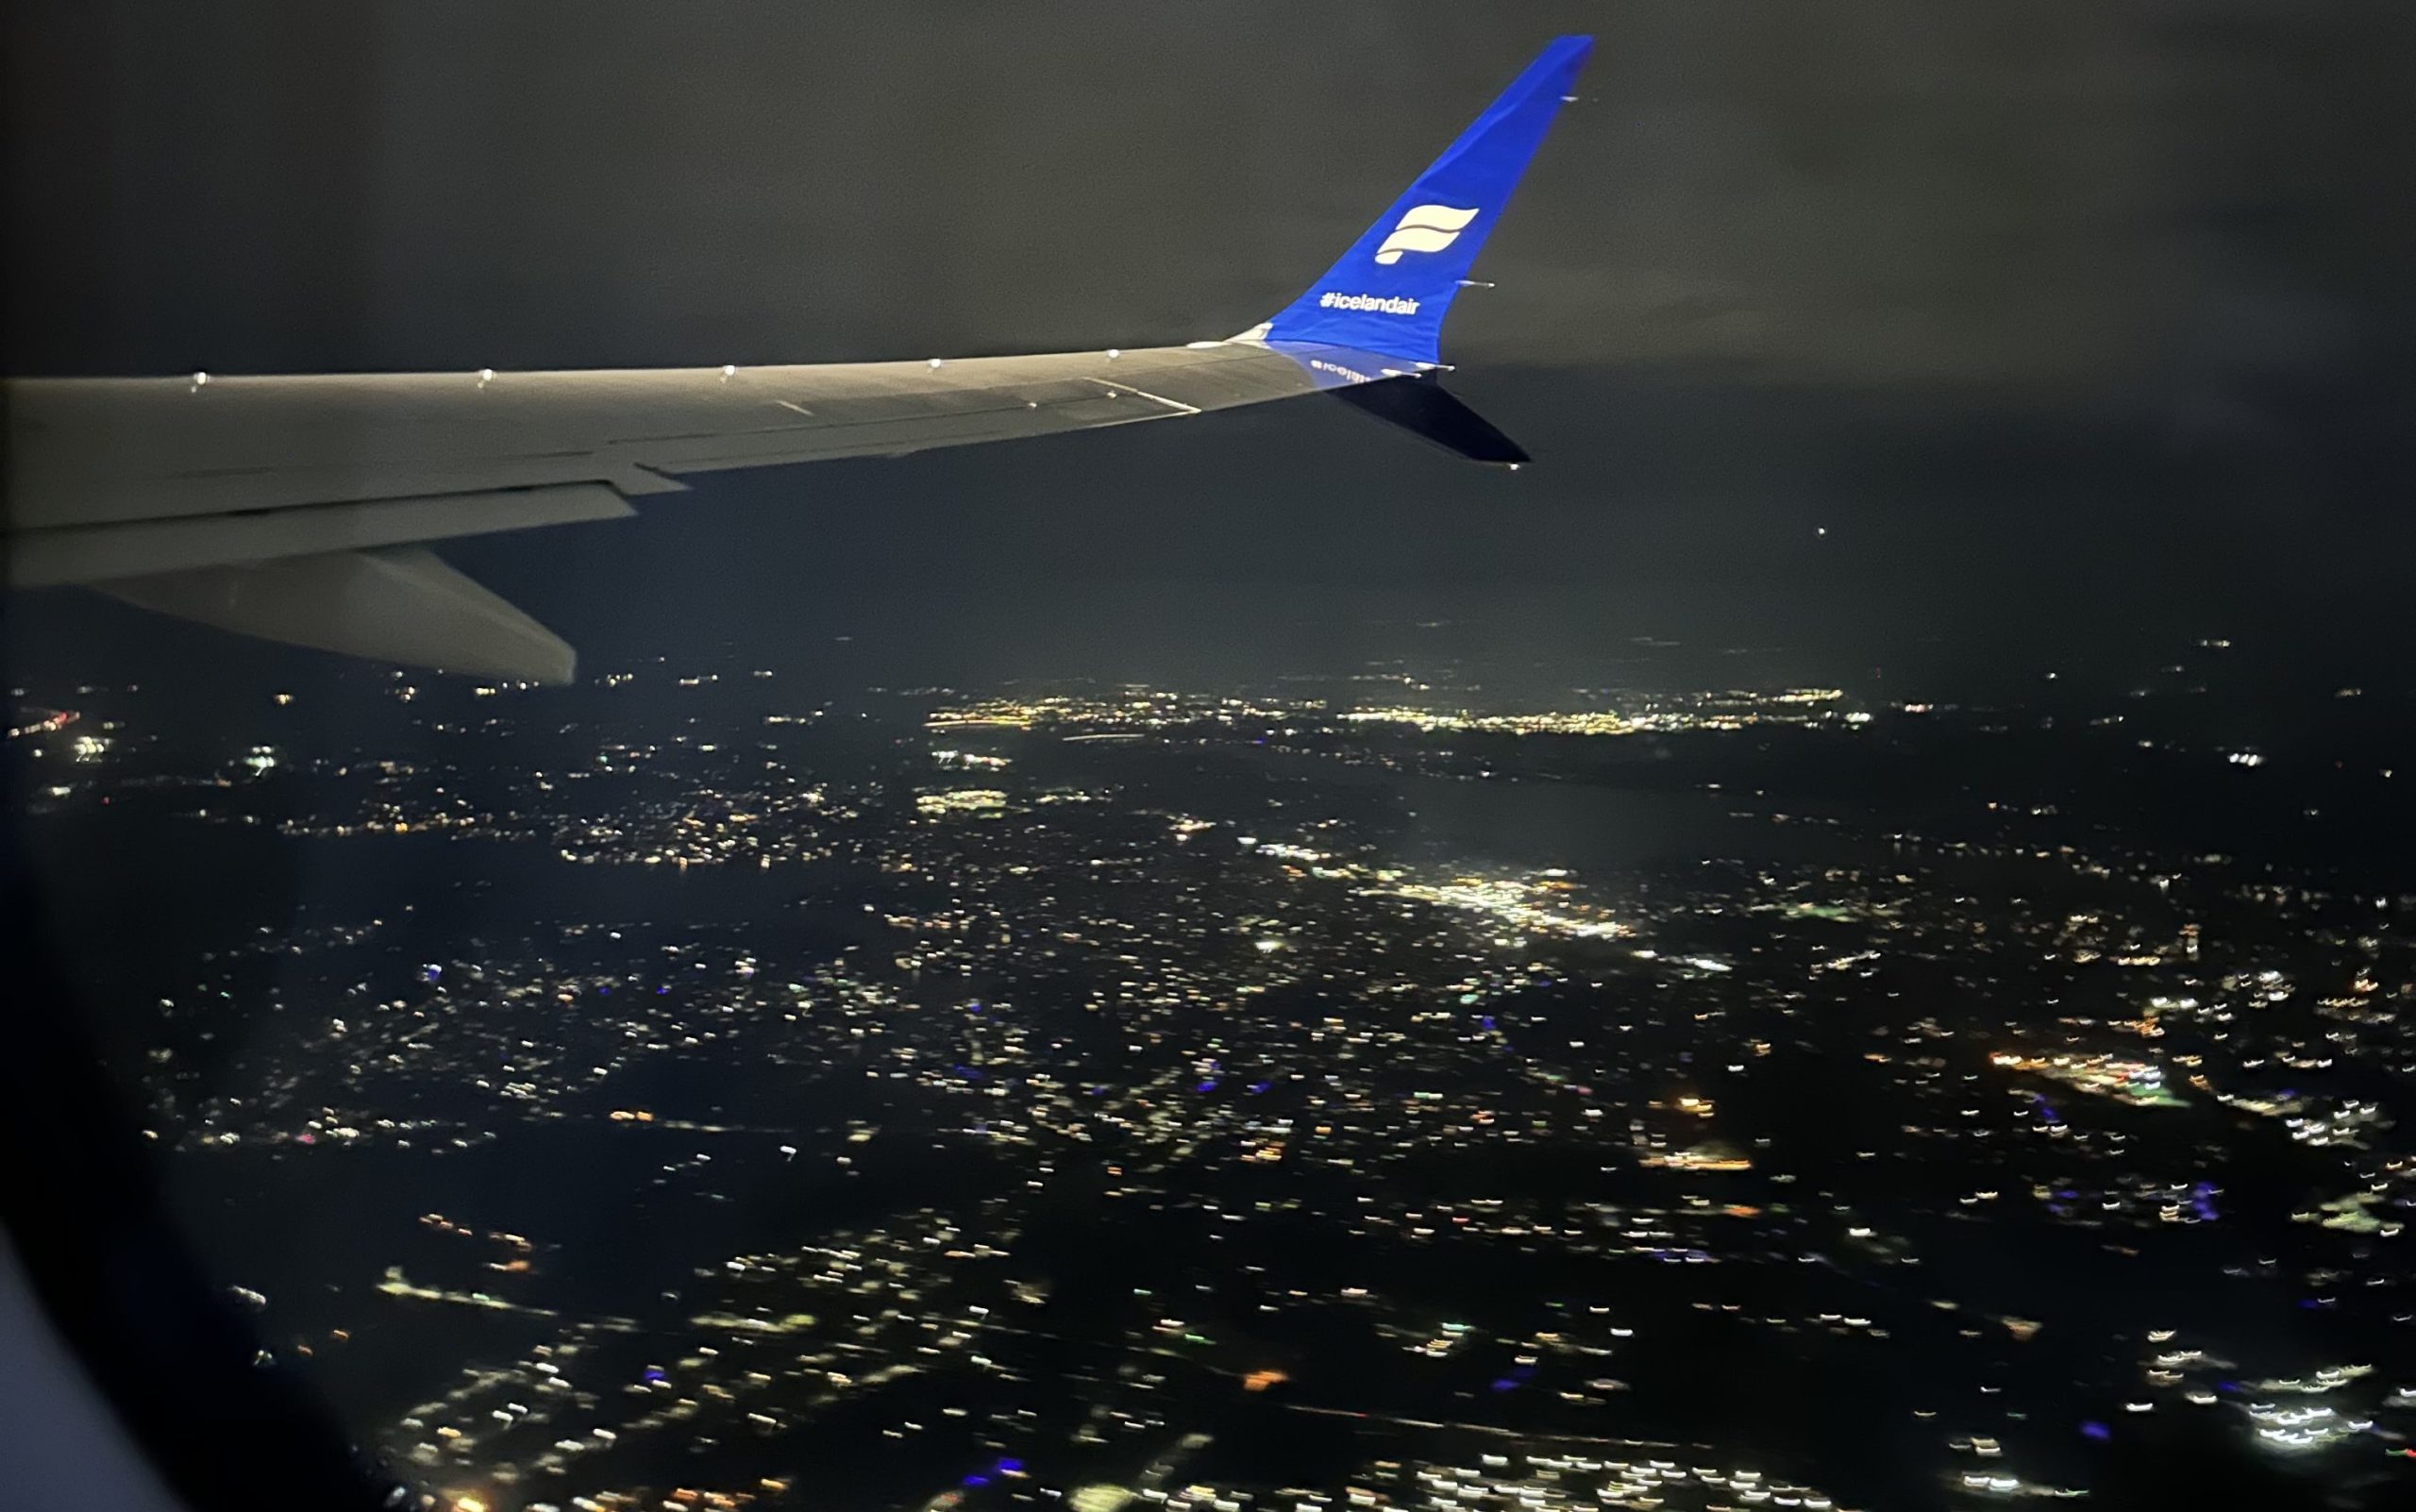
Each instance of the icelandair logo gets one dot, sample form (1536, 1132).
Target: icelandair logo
(1425, 228)
(1388, 304)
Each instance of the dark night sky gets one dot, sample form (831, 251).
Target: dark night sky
(2069, 320)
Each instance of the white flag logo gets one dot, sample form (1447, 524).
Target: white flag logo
(1425, 228)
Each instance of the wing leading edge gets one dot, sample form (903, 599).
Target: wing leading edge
(297, 507)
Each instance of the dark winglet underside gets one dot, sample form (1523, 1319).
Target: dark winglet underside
(1426, 409)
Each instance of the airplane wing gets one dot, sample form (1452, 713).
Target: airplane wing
(299, 508)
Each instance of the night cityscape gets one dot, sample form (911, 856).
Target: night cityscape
(1353, 1091)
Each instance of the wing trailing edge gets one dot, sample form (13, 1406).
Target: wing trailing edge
(392, 603)
(51, 555)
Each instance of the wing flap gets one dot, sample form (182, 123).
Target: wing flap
(392, 603)
(91, 553)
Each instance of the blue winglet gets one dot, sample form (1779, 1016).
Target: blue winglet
(1388, 294)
